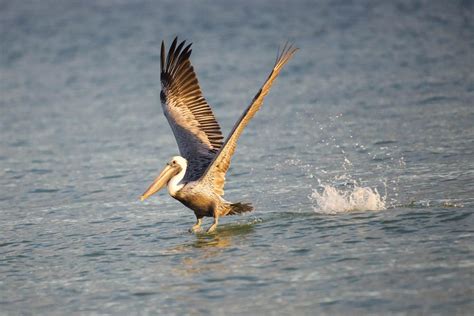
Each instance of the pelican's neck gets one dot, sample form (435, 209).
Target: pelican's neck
(174, 184)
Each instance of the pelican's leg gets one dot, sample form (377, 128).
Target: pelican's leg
(214, 225)
(196, 227)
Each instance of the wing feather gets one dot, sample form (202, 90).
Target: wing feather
(215, 173)
(196, 130)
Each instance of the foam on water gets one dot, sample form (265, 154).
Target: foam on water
(357, 199)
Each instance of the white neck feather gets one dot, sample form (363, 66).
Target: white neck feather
(174, 184)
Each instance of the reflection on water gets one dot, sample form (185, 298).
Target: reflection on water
(201, 254)
(224, 235)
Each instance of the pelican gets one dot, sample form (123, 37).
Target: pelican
(196, 177)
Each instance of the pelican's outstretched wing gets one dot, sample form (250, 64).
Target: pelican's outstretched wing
(196, 130)
(215, 173)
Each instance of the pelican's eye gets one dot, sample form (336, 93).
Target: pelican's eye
(173, 162)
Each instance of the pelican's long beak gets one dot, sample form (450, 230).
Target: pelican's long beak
(159, 182)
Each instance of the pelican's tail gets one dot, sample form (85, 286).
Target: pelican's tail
(239, 208)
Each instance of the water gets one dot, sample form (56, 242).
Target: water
(360, 164)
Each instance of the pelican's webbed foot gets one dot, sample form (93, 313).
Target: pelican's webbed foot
(196, 227)
(214, 225)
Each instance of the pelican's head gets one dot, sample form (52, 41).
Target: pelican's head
(173, 167)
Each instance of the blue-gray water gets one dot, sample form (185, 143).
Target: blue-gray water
(379, 96)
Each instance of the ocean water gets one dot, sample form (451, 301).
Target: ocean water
(360, 164)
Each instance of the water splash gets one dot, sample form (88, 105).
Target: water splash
(344, 183)
(356, 199)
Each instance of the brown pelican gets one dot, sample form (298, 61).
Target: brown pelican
(197, 177)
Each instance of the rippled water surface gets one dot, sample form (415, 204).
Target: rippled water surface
(360, 164)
